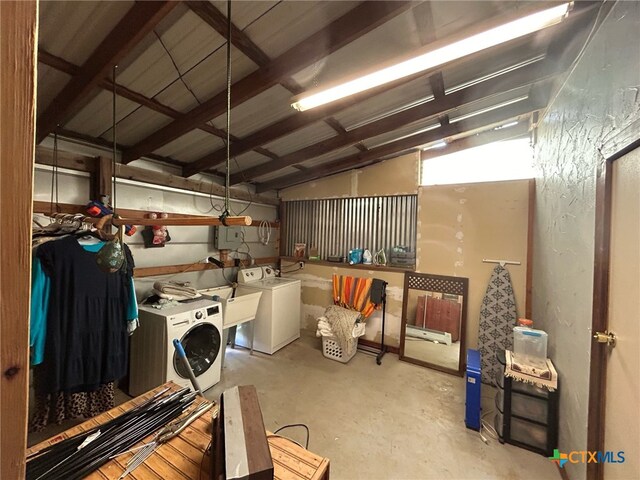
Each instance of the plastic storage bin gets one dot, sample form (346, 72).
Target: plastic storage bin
(528, 433)
(529, 407)
(527, 341)
(331, 349)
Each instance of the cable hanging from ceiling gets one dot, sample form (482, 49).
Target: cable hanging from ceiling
(225, 212)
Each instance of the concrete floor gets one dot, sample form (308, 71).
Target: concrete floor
(394, 421)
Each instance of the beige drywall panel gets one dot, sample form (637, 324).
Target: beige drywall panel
(459, 225)
(317, 295)
(598, 101)
(395, 176)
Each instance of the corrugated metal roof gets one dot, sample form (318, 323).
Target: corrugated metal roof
(246, 12)
(314, 133)
(72, 30)
(191, 146)
(406, 131)
(328, 157)
(97, 116)
(451, 18)
(288, 23)
(210, 76)
(140, 123)
(258, 112)
(246, 160)
(503, 56)
(358, 57)
(188, 41)
(273, 175)
(50, 82)
(488, 102)
(370, 110)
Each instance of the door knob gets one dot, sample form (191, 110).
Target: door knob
(605, 337)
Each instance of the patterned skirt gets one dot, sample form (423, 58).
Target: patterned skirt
(60, 406)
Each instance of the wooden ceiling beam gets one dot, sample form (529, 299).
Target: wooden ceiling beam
(493, 117)
(303, 119)
(289, 125)
(69, 68)
(73, 161)
(212, 16)
(351, 26)
(132, 28)
(218, 21)
(101, 142)
(436, 108)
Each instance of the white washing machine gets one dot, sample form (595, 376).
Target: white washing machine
(198, 325)
(277, 321)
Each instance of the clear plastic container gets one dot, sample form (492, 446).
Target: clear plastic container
(529, 407)
(527, 341)
(528, 433)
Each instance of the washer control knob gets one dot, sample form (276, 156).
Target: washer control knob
(198, 315)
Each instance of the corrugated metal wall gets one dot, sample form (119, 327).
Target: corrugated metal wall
(337, 225)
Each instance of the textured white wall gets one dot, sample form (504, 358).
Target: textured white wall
(600, 97)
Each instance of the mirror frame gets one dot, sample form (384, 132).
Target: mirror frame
(439, 284)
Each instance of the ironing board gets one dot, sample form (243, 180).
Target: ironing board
(497, 319)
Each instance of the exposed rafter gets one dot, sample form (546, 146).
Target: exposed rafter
(218, 21)
(302, 119)
(376, 154)
(69, 68)
(90, 140)
(286, 126)
(436, 108)
(355, 23)
(45, 156)
(136, 23)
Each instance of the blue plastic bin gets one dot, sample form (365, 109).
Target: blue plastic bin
(473, 408)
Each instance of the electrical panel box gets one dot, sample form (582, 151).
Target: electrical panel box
(228, 238)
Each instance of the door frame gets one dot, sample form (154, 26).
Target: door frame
(609, 153)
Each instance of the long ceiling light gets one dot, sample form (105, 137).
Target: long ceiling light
(453, 51)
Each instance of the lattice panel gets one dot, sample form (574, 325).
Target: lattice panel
(437, 284)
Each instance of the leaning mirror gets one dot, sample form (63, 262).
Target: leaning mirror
(434, 319)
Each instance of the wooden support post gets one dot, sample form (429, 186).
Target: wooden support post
(18, 41)
(102, 178)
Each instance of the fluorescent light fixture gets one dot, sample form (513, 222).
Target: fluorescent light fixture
(440, 144)
(467, 46)
(506, 125)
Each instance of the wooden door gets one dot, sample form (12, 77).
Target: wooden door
(621, 419)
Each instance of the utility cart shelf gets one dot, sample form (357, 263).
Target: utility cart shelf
(527, 416)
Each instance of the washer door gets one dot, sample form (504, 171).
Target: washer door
(202, 346)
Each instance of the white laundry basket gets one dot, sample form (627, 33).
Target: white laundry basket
(331, 349)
